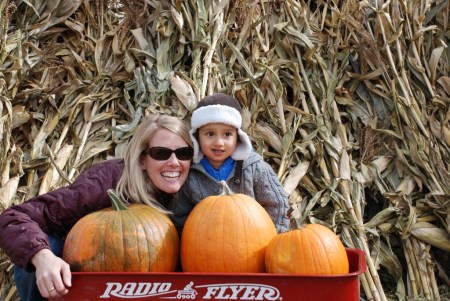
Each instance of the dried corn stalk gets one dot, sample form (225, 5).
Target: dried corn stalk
(347, 100)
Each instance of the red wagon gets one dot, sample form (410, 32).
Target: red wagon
(205, 286)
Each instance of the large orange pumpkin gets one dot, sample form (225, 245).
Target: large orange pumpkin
(226, 233)
(137, 238)
(312, 249)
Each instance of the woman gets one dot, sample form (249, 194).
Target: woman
(155, 166)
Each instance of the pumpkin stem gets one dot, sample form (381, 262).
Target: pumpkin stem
(226, 190)
(116, 202)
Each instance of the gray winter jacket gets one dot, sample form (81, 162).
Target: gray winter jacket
(256, 178)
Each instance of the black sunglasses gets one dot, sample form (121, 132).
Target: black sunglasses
(164, 153)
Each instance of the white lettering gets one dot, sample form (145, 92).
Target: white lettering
(143, 289)
(222, 295)
(236, 290)
(128, 289)
(109, 289)
(224, 291)
(165, 287)
(268, 293)
(211, 291)
(250, 293)
(240, 291)
(133, 289)
(154, 288)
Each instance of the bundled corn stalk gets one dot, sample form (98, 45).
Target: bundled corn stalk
(347, 100)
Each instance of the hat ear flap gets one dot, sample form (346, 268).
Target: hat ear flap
(244, 148)
(198, 155)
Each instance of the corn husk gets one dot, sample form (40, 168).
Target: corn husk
(346, 100)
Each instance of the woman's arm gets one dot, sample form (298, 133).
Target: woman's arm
(24, 227)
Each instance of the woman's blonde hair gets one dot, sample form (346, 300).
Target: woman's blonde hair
(134, 185)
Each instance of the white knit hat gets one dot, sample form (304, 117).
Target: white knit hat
(219, 108)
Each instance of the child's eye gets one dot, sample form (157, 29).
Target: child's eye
(229, 134)
(209, 134)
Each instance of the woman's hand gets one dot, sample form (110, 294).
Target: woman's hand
(53, 276)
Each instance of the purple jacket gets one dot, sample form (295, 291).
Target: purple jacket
(24, 228)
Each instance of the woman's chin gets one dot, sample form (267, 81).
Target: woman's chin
(171, 185)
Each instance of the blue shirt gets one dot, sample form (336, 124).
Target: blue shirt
(219, 174)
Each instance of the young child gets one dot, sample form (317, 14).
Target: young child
(222, 151)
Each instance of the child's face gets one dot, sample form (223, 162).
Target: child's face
(217, 142)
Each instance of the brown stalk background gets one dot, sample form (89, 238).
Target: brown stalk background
(347, 100)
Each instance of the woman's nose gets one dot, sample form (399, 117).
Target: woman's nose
(173, 160)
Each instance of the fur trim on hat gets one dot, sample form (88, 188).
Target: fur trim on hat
(244, 148)
(198, 155)
(216, 114)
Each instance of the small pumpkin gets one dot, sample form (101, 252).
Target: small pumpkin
(226, 233)
(137, 238)
(309, 249)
